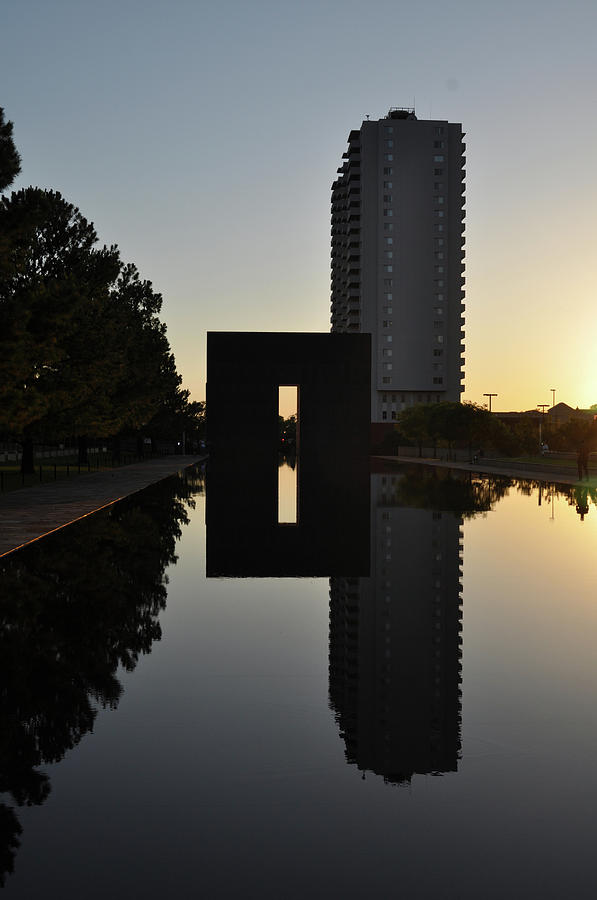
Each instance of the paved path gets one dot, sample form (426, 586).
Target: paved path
(498, 467)
(30, 513)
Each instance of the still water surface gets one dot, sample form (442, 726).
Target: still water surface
(426, 730)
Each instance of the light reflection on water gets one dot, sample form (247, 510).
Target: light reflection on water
(222, 770)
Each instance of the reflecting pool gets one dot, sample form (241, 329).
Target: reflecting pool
(421, 723)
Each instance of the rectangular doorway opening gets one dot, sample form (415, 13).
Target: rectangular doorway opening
(288, 419)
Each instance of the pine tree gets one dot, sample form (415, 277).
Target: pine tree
(10, 161)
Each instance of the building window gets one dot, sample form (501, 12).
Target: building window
(387, 198)
(389, 157)
(389, 241)
(387, 323)
(388, 226)
(384, 415)
(439, 282)
(388, 186)
(439, 213)
(388, 282)
(438, 367)
(384, 397)
(439, 130)
(439, 255)
(438, 158)
(438, 324)
(389, 338)
(439, 242)
(388, 213)
(438, 228)
(388, 311)
(388, 296)
(439, 270)
(388, 254)
(389, 129)
(393, 413)
(388, 170)
(438, 145)
(438, 310)
(438, 200)
(438, 352)
(390, 144)
(438, 171)
(386, 379)
(388, 268)
(439, 296)
(386, 352)
(438, 380)
(387, 367)
(438, 186)
(439, 338)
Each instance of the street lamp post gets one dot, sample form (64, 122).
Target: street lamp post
(542, 406)
(490, 396)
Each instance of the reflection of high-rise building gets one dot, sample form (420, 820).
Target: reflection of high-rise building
(395, 643)
(397, 257)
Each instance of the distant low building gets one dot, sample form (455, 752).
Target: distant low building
(515, 416)
(562, 413)
(558, 415)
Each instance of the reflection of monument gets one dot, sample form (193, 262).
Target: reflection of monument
(395, 643)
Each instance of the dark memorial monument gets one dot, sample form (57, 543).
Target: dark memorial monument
(331, 533)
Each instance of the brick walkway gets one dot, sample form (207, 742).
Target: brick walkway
(30, 513)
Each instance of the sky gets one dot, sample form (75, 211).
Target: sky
(203, 139)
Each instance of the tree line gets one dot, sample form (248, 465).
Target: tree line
(83, 352)
(452, 425)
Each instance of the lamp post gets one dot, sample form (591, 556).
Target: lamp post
(490, 396)
(542, 406)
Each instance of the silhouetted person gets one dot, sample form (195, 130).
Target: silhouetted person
(582, 461)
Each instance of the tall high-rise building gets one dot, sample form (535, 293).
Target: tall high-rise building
(398, 257)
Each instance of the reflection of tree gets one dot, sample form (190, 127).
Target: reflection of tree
(450, 490)
(287, 457)
(577, 495)
(467, 494)
(77, 605)
(10, 831)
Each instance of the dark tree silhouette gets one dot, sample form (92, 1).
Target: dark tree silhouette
(52, 280)
(82, 348)
(10, 161)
